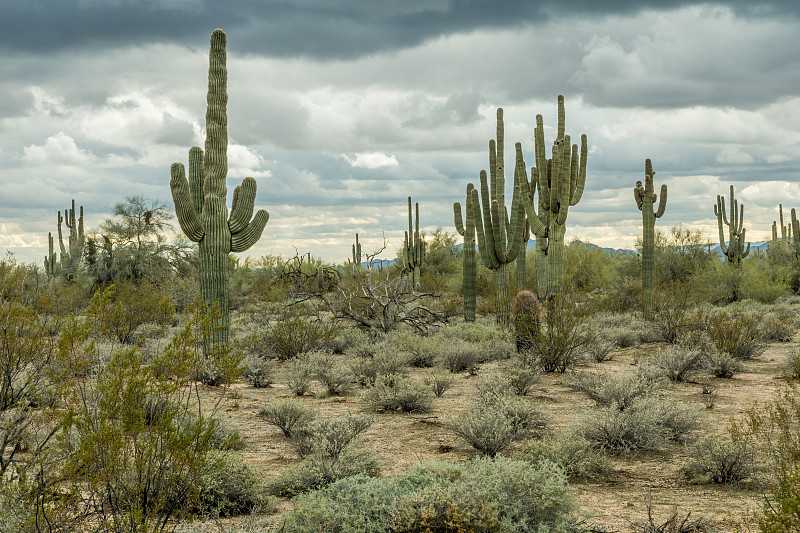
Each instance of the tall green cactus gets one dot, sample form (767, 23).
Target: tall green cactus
(470, 269)
(499, 240)
(734, 251)
(786, 231)
(200, 202)
(793, 236)
(413, 248)
(561, 181)
(645, 198)
(72, 253)
(522, 257)
(356, 253)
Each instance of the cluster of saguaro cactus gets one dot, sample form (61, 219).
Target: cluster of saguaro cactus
(413, 248)
(734, 251)
(499, 240)
(561, 180)
(470, 269)
(646, 197)
(356, 253)
(200, 202)
(72, 254)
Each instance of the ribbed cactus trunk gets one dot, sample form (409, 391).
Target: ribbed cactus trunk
(734, 251)
(521, 264)
(499, 242)
(645, 198)
(72, 253)
(561, 181)
(50, 258)
(356, 253)
(413, 248)
(470, 261)
(200, 203)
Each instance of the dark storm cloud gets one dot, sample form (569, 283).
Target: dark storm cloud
(317, 29)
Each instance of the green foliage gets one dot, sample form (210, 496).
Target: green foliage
(288, 415)
(392, 393)
(587, 267)
(578, 458)
(228, 488)
(561, 340)
(439, 380)
(716, 459)
(678, 362)
(736, 332)
(498, 495)
(118, 309)
(292, 334)
(618, 391)
(258, 372)
(336, 376)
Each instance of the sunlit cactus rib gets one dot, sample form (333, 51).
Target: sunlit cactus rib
(413, 248)
(646, 197)
(734, 251)
(470, 269)
(200, 201)
(499, 242)
(561, 181)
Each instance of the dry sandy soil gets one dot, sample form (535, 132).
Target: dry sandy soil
(401, 440)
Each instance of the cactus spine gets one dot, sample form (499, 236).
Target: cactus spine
(470, 269)
(561, 181)
(499, 240)
(645, 198)
(413, 248)
(734, 251)
(200, 201)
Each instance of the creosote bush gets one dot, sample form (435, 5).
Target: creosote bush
(293, 334)
(678, 362)
(258, 372)
(579, 458)
(717, 459)
(561, 340)
(737, 333)
(288, 415)
(619, 391)
(392, 393)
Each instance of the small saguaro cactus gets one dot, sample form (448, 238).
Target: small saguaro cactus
(499, 240)
(200, 202)
(525, 311)
(734, 251)
(645, 199)
(413, 248)
(470, 270)
(561, 181)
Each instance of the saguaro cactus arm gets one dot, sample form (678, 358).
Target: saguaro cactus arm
(185, 208)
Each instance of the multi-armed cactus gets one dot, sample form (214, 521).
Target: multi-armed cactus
(499, 240)
(200, 202)
(561, 180)
(72, 254)
(413, 248)
(786, 231)
(470, 270)
(734, 251)
(646, 197)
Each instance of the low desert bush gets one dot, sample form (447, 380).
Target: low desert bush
(336, 376)
(678, 362)
(676, 523)
(646, 424)
(561, 341)
(258, 372)
(780, 323)
(383, 358)
(294, 334)
(439, 380)
(792, 365)
(393, 393)
(576, 456)
(721, 364)
(459, 356)
(619, 391)
(521, 374)
(599, 346)
(228, 488)
(498, 495)
(717, 459)
(297, 374)
(737, 333)
(329, 435)
(288, 415)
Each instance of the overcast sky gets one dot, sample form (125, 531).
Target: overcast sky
(341, 110)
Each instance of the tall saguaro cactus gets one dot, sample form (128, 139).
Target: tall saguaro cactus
(356, 253)
(734, 251)
(561, 181)
(200, 202)
(413, 248)
(786, 231)
(645, 199)
(522, 257)
(470, 269)
(499, 241)
(72, 253)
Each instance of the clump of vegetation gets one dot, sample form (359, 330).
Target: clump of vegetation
(392, 393)
(678, 362)
(617, 391)
(287, 415)
(716, 459)
(578, 457)
(525, 319)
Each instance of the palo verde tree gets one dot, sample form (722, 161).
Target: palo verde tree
(645, 199)
(200, 201)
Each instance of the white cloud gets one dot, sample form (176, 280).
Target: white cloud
(734, 156)
(60, 149)
(371, 160)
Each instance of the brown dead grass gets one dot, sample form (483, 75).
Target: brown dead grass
(402, 440)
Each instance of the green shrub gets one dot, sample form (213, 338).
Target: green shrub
(619, 391)
(258, 372)
(297, 373)
(793, 365)
(672, 315)
(715, 459)
(779, 323)
(336, 376)
(561, 340)
(439, 380)
(294, 334)
(525, 319)
(737, 333)
(288, 415)
(329, 435)
(228, 488)
(393, 393)
(521, 374)
(576, 456)
(678, 362)
(381, 359)
(721, 364)
(599, 346)
(458, 356)
(646, 424)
